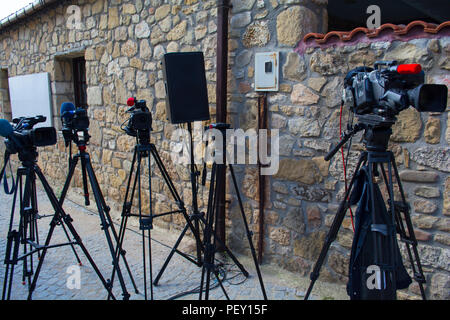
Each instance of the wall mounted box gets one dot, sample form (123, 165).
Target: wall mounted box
(267, 71)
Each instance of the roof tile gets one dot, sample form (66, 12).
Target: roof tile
(387, 30)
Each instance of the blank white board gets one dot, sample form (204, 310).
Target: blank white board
(30, 96)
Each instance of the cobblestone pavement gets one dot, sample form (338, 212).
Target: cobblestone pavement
(180, 276)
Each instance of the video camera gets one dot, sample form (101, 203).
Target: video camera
(389, 88)
(140, 120)
(23, 136)
(73, 120)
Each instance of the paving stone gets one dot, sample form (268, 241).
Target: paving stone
(180, 275)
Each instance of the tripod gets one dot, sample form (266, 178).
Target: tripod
(193, 221)
(210, 239)
(87, 172)
(27, 231)
(145, 150)
(375, 158)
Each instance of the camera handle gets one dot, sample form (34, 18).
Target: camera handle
(356, 128)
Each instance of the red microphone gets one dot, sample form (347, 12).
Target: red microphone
(409, 68)
(131, 101)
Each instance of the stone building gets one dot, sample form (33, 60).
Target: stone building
(120, 44)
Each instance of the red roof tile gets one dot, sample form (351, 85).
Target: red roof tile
(386, 31)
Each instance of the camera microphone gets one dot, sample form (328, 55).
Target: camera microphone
(7, 131)
(67, 110)
(6, 128)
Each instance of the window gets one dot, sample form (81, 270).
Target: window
(79, 82)
(345, 15)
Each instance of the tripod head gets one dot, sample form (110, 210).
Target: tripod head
(377, 131)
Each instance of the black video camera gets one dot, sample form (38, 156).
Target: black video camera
(140, 120)
(24, 137)
(73, 120)
(389, 88)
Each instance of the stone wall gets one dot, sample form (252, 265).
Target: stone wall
(5, 105)
(308, 117)
(123, 42)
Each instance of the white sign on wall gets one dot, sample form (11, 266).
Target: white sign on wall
(31, 96)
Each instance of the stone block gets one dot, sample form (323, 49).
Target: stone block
(293, 23)
(419, 176)
(304, 171)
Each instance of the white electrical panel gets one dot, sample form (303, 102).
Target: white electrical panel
(267, 71)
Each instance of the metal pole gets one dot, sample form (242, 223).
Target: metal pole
(223, 7)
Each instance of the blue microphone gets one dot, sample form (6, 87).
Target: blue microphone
(67, 110)
(6, 128)
(7, 131)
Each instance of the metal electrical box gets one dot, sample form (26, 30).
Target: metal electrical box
(267, 71)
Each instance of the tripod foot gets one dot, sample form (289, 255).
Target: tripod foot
(126, 296)
(80, 264)
(24, 283)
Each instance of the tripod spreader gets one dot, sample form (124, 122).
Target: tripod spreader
(347, 135)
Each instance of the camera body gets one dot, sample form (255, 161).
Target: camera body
(389, 88)
(140, 121)
(76, 119)
(25, 137)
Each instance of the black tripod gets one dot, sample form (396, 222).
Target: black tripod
(376, 137)
(145, 150)
(88, 175)
(27, 231)
(210, 239)
(193, 221)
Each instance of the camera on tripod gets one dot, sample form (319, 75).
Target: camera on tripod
(140, 119)
(23, 136)
(389, 88)
(73, 120)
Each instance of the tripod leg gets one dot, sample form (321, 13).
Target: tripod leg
(149, 239)
(334, 229)
(12, 239)
(177, 198)
(106, 209)
(211, 239)
(172, 252)
(219, 281)
(206, 268)
(73, 164)
(85, 182)
(61, 216)
(248, 232)
(410, 239)
(86, 166)
(189, 224)
(125, 214)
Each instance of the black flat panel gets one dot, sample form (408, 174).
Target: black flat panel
(186, 91)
